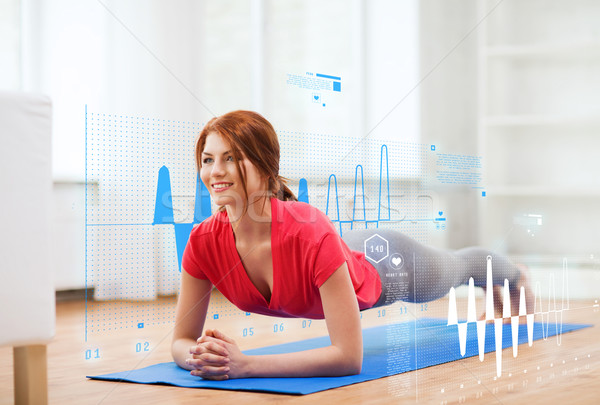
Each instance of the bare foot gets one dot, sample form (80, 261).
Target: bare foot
(515, 296)
(498, 300)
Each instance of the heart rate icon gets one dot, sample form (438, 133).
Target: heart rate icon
(396, 261)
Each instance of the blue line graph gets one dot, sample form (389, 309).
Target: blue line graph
(359, 171)
(163, 207)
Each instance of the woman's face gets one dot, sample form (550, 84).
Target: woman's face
(220, 175)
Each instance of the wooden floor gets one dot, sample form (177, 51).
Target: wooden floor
(542, 374)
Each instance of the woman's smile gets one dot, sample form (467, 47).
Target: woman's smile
(219, 187)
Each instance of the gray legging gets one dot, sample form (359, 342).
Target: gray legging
(414, 272)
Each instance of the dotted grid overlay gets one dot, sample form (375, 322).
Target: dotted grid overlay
(429, 276)
(130, 261)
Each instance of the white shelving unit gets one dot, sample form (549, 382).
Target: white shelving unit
(539, 129)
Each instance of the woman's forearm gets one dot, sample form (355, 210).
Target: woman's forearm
(328, 361)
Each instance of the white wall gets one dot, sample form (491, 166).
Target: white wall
(448, 107)
(190, 60)
(10, 43)
(63, 54)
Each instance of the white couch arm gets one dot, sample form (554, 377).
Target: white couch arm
(27, 317)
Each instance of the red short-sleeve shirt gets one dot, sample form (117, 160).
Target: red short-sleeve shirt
(306, 251)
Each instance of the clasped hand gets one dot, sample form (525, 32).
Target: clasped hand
(216, 357)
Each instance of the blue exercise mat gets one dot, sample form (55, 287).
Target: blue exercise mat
(388, 350)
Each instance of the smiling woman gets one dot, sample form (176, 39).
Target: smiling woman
(270, 254)
(240, 248)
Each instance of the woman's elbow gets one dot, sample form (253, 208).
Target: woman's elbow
(355, 368)
(179, 351)
(352, 367)
(353, 364)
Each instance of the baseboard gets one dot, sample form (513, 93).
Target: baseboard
(78, 294)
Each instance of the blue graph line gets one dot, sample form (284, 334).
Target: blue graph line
(303, 191)
(387, 172)
(163, 213)
(362, 179)
(202, 202)
(163, 207)
(337, 201)
(163, 210)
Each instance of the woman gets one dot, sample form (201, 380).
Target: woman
(269, 254)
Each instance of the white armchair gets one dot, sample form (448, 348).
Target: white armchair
(27, 300)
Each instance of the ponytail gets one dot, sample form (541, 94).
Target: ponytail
(283, 191)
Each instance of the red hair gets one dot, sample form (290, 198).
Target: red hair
(250, 135)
